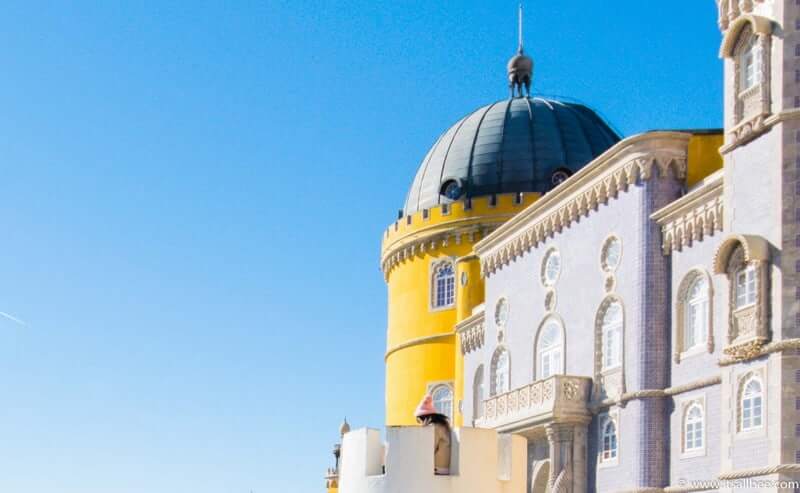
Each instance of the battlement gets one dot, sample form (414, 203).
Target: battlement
(481, 462)
(507, 203)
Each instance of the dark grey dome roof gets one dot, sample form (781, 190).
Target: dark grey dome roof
(514, 145)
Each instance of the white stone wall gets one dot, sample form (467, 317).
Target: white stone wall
(482, 462)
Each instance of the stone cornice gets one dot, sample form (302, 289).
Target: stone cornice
(756, 349)
(471, 332)
(629, 161)
(439, 237)
(697, 214)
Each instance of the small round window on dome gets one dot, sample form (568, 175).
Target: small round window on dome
(451, 189)
(559, 177)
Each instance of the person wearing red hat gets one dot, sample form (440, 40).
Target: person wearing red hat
(428, 415)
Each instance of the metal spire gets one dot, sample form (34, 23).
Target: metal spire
(520, 50)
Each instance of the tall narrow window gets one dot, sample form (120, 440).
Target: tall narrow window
(550, 350)
(608, 439)
(443, 400)
(746, 285)
(693, 428)
(750, 62)
(751, 405)
(500, 372)
(696, 323)
(612, 336)
(477, 394)
(444, 285)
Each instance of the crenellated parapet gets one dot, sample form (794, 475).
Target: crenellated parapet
(430, 230)
(482, 462)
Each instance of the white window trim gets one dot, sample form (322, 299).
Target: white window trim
(448, 384)
(602, 420)
(477, 404)
(433, 290)
(686, 406)
(493, 391)
(681, 316)
(620, 329)
(561, 364)
(741, 383)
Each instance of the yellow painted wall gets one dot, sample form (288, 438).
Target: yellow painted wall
(704, 157)
(421, 341)
(470, 295)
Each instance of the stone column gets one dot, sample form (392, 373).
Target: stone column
(579, 455)
(560, 438)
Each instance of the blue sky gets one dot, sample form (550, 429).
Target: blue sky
(192, 200)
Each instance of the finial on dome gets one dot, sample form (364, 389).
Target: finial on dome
(344, 428)
(520, 67)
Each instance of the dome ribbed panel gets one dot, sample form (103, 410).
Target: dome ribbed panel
(513, 145)
(487, 146)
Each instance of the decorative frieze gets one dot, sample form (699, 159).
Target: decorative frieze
(472, 333)
(731, 10)
(694, 216)
(632, 161)
(559, 397)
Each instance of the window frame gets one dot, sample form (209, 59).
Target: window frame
(555, 366)
(685, 304)
(745, 382)
(478, 393)
(617, 329)
(439, 387)
(610, 457)
(696, 450)
(750, 287)
(493, 387)
(450, 285)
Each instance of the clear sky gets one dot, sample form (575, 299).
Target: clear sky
(192, 200)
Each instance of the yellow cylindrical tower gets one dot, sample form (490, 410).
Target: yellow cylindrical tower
(470, 294)
(426, 295)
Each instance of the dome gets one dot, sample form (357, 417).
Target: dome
(516, 145)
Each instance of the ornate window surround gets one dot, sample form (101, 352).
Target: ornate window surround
(435, 265)
(679, 328)
(686, 406)
(493, 390)
(608, 382)
(751, 106)
(741, 384)
(561, 367)
(748, 327)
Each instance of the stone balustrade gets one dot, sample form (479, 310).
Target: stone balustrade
(557, 398)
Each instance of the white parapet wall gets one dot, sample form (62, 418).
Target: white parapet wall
(481, 462)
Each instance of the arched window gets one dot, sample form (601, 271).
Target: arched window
(693, 428)
(746, 285)
(608, 439)
(612, 336)
(443, 285)
(477, 394)
(695, 328)
(751, 405)
(549, 350)
(501, 374)
(443, 400)
(749, 60)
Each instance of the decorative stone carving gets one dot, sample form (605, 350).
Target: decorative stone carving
(692, 217)
(472, 333)
(584, 192)
(556, 397)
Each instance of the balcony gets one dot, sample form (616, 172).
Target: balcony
(557, 398)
